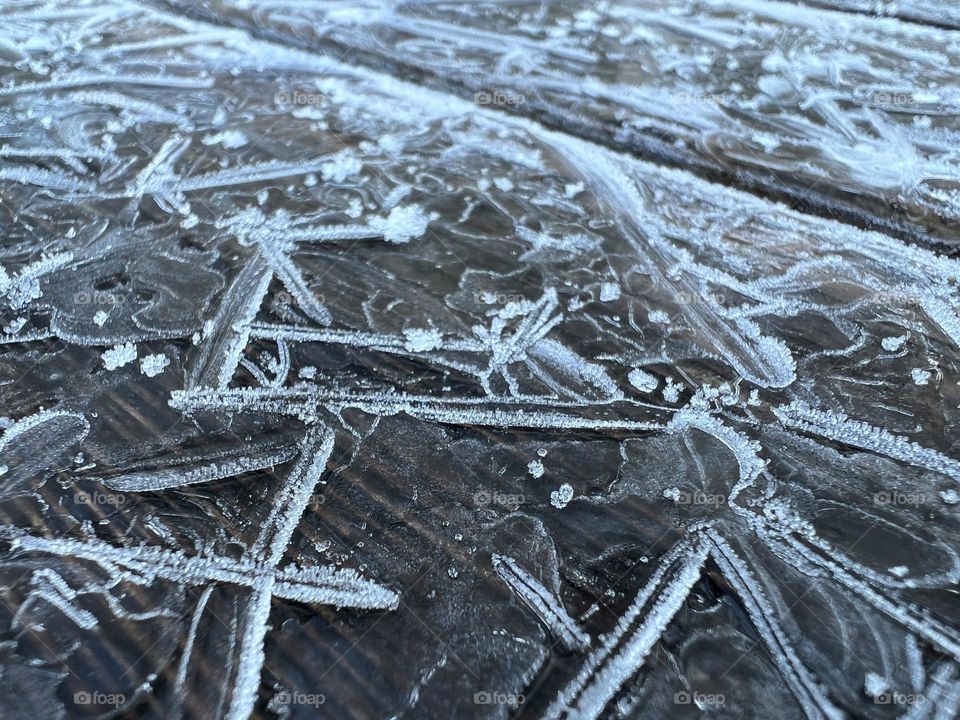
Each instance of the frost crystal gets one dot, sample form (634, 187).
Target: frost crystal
(153, 365)
(561, 497)
(119, 355)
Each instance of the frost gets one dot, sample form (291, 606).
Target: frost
(343, 165)
(547, 607)
(230, 139)
(562, 496)
(403, 224)
(153, 365)
(643, 381)
(535, 468)
(609, 292)
(920, 376)
(671, 392)
(420, 340)
(837, 426)
(892, 344)
(119, 355)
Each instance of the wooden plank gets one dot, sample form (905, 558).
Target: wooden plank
(485, 309)
(841, 114)
(939, 13)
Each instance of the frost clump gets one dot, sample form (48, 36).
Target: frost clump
(403, 223)
(153, 365)
(119, 355)
(340, 167)
(671, 392)
(609, 291)
(230, 139)
(642, 381)
(535, 468)
(99, 318)
(659, 317)
(892, 344)
(874, 684)
(15, 326)
(422, 340)
(920, 376)
(561, 497)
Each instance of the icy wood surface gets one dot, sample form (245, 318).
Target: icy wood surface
(331, 394)
(833, 112)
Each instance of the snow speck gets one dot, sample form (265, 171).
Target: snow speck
(874, 684)
(403, 223)
(920, 376)
(153, 365)
(535, 468)
(892, 344)
(609, 291)
(950, 497)
(230, 139)
(642, 381)
(15, 326)
(659, 317)
(560, 497)
(422, 340)
(671, 392)
(119, 355)
(899, 571)
(99, 318)
(340, 167)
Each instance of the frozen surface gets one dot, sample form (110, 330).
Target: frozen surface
(330, 394)
(835, 112)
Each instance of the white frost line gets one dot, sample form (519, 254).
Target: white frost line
(178, 691)
(220, 353)
(21, 427)
(144, 564)
(489, 412)
(547, 607)
(357, 338)
(607, 669)
(911, 617)
(191, 470)
(285, 514)
(837, 426)
(815, 704)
